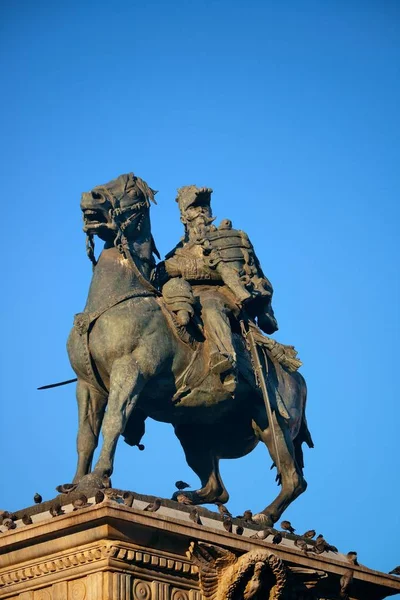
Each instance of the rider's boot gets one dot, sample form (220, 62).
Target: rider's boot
(225, 366)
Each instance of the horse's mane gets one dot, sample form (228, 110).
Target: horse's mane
(146, 190)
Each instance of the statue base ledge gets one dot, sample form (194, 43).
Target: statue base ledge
(112, 552)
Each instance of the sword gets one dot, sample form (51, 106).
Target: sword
(53, 385)
(260, 381)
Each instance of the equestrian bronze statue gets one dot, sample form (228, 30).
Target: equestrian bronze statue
(180, 341)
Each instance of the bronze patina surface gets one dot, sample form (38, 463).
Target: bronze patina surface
(181, 342)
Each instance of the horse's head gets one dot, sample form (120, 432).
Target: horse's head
(115, 208)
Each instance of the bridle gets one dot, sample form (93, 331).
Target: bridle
(117, 214)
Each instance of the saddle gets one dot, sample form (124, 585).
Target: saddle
(178, 298)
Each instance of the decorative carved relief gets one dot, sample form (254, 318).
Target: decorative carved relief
(160, 590)
(141, 590)
(179, 595)
(116, 551)
(77, 590)
(224, 576)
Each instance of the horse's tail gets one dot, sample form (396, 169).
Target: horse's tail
(303, 435)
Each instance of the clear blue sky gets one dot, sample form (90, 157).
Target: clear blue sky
(290, 112)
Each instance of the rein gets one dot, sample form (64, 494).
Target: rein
(121, 242)
(124, 249)
(83, 323)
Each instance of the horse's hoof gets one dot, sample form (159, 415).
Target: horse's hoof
(262, 520)
(191, 497)
(90, 483)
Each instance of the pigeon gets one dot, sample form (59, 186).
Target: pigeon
(223, 510)
(111, 494)
(321, 545)
(239, 530)
(80, 502)
(247, 516)
(345, 582)
(56, 510)
(277, 538)
(99, 497)
(4, 514)
(26, 519)
(227, 523)
(395, 571)
(287, 526)
(9, 523)
(181, 485)
(302, 545)
(153, 506)
(128, 499)
(37, 498)
(263, 534)
(194, 516)
(66, 488)
(183, 499)
(309, 534)
(352, 557)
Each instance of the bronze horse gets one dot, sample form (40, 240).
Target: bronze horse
(128, 357)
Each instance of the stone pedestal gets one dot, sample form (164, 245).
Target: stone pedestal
(112, 552)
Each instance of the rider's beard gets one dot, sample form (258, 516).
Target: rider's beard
(198, 227)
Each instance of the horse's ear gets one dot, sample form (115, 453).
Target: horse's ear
(146, 190)
(154, 192)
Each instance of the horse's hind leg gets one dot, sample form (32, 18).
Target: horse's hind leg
(201, 457)
(292, 480)
(91, 406)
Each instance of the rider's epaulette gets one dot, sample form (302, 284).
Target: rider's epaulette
(228, 238)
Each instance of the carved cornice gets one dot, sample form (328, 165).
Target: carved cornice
(115, 551)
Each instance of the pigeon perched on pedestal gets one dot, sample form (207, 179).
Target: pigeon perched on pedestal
(308, 535)
(227, 523)
(153, 506)
(194, 516)
(239, 530)
(287, 526)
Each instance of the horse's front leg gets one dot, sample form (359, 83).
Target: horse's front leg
(291, 476)
(91, 406)
(126, 382)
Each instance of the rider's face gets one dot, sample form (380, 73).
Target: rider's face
(197, 214)
(197, 219)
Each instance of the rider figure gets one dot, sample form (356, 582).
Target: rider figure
(207, 257)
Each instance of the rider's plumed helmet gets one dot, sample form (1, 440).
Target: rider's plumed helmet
(191, 195)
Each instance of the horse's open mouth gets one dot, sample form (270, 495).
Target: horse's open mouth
(93, 219)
